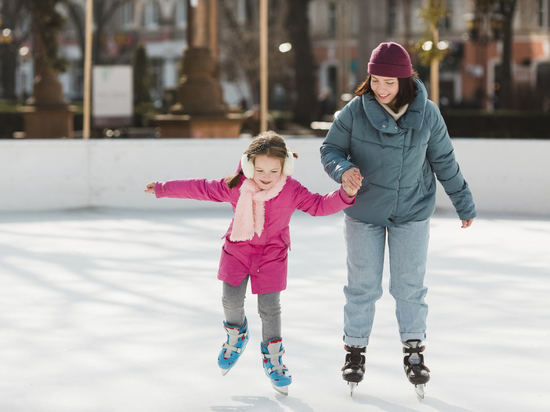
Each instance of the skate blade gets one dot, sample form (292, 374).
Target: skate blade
(420, 390)
(352, 386)
(283, 390)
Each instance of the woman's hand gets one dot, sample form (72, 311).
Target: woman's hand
(352, 179)
(467, 223)
(150, 188)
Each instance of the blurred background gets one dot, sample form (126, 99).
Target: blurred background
(485, 62)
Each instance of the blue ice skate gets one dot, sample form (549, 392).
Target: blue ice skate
(237, 338)
(272, 355)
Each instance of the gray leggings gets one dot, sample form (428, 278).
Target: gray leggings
(269, 308)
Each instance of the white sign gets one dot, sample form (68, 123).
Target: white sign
(112, 98)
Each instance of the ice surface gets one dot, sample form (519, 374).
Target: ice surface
(119, 310)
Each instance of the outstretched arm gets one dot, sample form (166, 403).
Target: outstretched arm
(199, 189)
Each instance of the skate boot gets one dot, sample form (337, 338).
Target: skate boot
(354, 369)
(272, 355)
(413, 363)
(237, 338)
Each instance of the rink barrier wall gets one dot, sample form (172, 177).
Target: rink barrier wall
(506, 176)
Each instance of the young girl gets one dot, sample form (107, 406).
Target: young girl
(263, 197)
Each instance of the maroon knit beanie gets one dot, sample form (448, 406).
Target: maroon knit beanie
(390, 60)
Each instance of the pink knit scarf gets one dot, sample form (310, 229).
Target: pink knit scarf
(250, 213)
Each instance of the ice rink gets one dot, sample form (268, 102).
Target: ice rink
(120, 310)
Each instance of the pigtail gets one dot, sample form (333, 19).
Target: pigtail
(233, 181)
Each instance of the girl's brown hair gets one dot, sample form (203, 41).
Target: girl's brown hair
(405, 95)
(266, 143)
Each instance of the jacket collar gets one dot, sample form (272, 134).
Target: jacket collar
(412, 119)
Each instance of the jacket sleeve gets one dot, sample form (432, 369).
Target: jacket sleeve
(335, 151)
(198, 189)
(321, 205)
(442, 160)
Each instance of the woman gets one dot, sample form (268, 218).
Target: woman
(388, 142)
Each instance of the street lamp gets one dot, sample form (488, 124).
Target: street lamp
(285, 47)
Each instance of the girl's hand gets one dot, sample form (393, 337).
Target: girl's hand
(150, 188)
(467, 223)
(352, 179)
(349, 191)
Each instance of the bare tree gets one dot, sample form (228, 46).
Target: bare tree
(507, 10)
(501, 14)
(104, 10)
(239, 43)
(304, 66)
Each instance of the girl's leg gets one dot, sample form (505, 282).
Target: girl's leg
(233, 302)
(272, 349)
(269, 308)
(408, 248)
(365, 245)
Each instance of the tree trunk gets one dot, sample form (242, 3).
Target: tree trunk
(298, 25)
(506, 87)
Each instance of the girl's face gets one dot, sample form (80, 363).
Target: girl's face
(267, 171)
(386, 88)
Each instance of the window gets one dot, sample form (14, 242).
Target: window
(76, 76)
(152, 15)
(544, 14)
(241, 11)
(127, 15)
(447, 21)
(181, 14)
(156, 70)
(392, 17)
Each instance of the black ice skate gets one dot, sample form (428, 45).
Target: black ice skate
(413, 362)
(354, 369)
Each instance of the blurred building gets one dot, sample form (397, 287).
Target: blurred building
(159, 25)
(344, 33)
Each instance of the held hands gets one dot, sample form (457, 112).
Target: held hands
(150, 188)
(351, 181)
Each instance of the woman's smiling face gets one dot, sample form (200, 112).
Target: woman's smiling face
(385, 88)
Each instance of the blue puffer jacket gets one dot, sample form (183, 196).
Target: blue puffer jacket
(397, 160)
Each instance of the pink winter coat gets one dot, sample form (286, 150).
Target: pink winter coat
(263, 257)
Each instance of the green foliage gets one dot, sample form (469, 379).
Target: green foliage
(431, 14)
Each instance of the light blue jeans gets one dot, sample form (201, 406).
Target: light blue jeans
(408, 250)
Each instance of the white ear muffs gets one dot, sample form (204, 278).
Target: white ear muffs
(247, 166)
(288, 168)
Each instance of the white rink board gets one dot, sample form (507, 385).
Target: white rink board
(506, 176)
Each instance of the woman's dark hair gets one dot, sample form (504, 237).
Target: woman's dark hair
(266, 143)
(405, 95)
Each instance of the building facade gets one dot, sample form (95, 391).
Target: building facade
(344, 33)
